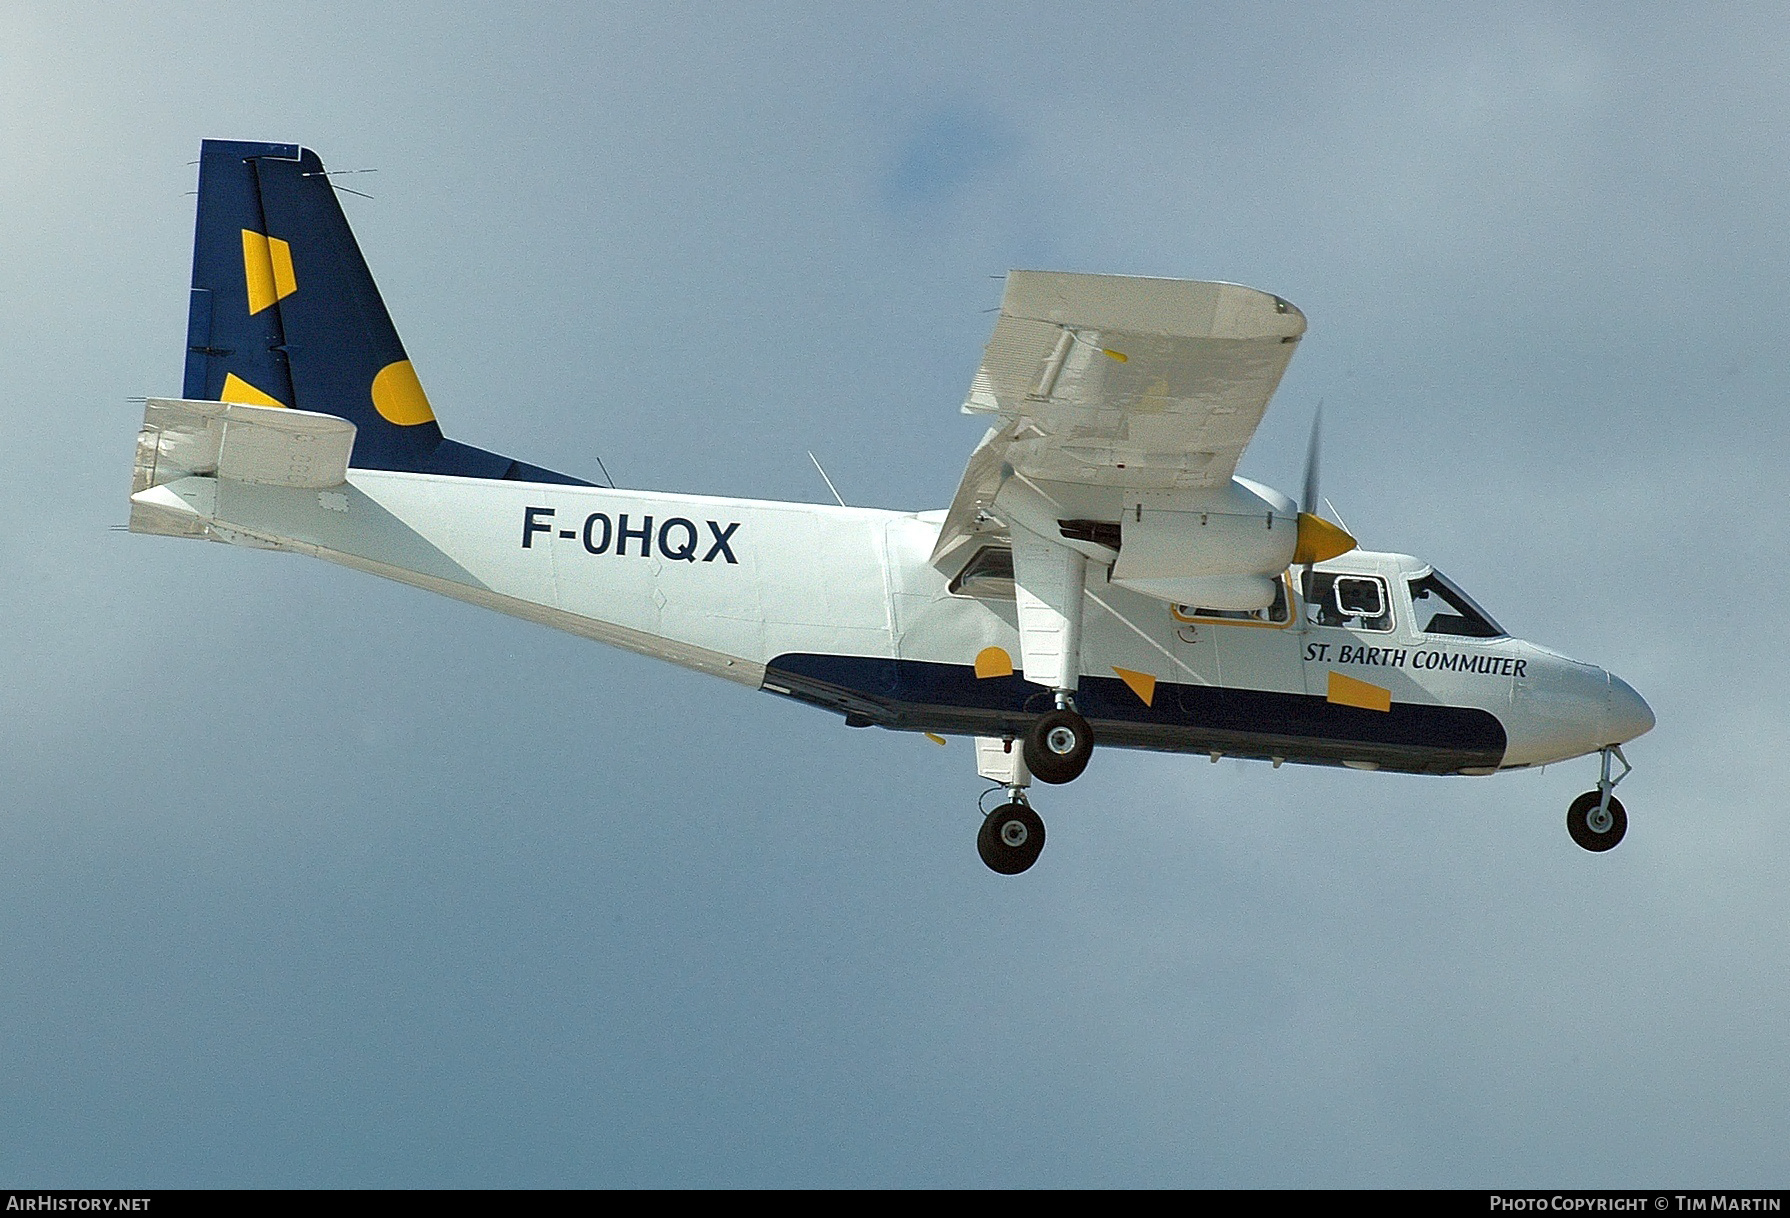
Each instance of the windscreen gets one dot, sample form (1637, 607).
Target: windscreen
(1442, 608)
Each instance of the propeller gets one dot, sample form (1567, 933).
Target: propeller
(1318, 539)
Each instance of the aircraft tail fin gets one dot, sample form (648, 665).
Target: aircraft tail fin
(284, 312)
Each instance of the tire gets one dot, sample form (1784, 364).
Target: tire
(1010, 839)
(1058, 747)
(1578, 823)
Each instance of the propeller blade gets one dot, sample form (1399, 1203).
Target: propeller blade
(1310, 502)
(1318, 538)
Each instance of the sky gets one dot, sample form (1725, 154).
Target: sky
(311, 879)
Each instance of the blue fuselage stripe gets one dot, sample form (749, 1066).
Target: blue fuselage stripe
(918, 695)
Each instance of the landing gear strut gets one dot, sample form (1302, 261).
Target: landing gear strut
(1596, 819)
(1012, 835)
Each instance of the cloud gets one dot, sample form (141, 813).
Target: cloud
(944, 153)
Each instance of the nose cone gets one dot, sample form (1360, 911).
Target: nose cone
(1628, 715)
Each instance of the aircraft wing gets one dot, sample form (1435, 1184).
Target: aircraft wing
(1114, 384)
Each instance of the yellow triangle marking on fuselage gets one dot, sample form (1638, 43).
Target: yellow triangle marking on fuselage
(1347, 691)
(1141, 683)
(993, 662)
(244, 394)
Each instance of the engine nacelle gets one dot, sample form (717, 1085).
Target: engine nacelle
(1222, 548)
(1219, 549)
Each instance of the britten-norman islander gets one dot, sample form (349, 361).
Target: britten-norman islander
(1102, 577)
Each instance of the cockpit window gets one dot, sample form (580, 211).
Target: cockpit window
(1357, 601)
(1360, 597)
(1442, 608)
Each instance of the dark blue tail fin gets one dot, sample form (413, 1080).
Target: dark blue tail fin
(285, 313)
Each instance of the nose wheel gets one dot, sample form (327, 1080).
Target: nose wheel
(1593, 826)
(1596, 819)
(1011, 838)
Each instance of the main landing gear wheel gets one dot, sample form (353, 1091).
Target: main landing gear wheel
(1058, 747)
(1011, 838)
(1591, 826)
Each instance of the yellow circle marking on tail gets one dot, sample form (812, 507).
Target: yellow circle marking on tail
(398, 396)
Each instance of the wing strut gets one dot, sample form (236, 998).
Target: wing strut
(1048, 589)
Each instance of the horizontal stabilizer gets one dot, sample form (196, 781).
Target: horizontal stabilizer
(264, 445)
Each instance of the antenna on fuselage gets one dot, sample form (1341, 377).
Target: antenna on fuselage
(824, 478)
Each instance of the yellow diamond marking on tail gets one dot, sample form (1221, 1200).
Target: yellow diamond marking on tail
(1142, 684)
(993, 662)
(241, 392)
(267, 268)
(398, 396)
(284, 281)
(1347, 691)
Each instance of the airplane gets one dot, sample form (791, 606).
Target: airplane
(1102, 575)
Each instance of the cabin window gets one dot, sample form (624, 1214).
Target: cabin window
(1355, 601)
(1442, 608)
(1277, 614)
(989, 575)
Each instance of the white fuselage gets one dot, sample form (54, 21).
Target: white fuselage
(842, 607)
